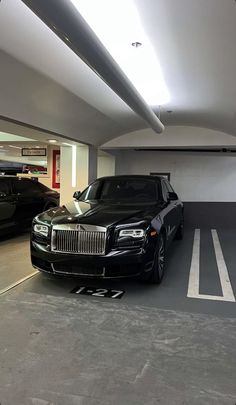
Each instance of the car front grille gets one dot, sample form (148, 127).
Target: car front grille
(79, 239)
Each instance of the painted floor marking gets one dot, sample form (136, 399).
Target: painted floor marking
(194, 275)
(13, 285)
(223, 271)
(193, 283)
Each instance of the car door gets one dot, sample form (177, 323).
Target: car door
(177, 204)
(7, 204)
(169, 213)
(29, 199)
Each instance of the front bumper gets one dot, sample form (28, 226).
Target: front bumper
(115, 264)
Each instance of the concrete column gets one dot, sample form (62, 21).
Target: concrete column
(93, 159)
(74, 171)
(106, 164)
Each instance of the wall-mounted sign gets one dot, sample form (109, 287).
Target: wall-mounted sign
(33, 152)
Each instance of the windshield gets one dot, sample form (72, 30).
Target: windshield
(122, 190)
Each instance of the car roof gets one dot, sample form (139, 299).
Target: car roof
(2, 176)
(132, 176)
(8, 176)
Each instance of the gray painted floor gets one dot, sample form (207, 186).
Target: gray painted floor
(154, 346)
(14, 259)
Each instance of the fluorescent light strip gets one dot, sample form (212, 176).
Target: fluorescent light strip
(15, 147)
(73, 174)
(118, 25)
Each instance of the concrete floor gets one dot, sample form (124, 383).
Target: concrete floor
(14, 259)
(154, 346)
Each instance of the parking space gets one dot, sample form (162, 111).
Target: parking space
(15, 265)
(153, 345)
(200, 277)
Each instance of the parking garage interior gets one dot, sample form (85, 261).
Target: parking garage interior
(82, 99)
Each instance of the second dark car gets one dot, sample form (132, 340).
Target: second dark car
(119, 226)
(21, 199)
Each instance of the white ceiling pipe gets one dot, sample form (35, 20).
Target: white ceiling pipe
(68, 24)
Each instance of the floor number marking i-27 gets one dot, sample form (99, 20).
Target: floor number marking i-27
(98, 292)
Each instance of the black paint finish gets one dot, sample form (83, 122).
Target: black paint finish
(21, 200)
(124, 256)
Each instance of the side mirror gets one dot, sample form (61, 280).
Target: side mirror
(172, 196)
(2, 194)
(77, 195)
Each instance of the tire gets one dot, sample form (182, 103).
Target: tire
(158, 268)
(180, 231)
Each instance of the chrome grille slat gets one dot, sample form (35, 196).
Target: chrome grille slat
(68, 239)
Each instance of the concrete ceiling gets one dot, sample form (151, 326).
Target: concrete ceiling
(194, 42)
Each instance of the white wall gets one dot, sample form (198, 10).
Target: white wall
(194, 176)
(105, 164)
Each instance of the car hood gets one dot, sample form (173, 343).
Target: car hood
(100, 214)
(53, 194)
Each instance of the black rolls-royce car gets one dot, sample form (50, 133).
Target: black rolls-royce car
(118, 226)
(20, 200)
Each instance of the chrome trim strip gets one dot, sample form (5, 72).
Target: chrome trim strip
(78, 274)
(77, 227)
(42, 270)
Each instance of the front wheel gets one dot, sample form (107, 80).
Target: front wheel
(158, 268)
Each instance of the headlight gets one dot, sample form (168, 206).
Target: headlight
(133, 233)
(41, 229)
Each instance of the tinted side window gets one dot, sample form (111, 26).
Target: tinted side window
(4, 186)
(164, 190)
(24, 186)
(91, 193)
(169, 187)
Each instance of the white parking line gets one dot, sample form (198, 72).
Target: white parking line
(13, 285)
(194, 275)
(193, 283)
(223, 271)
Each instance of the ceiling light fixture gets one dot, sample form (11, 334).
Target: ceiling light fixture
(52, 140)
(15, 147)
(139, 63)
(67, 144)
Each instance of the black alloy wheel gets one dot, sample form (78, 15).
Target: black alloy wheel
(158, 268)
